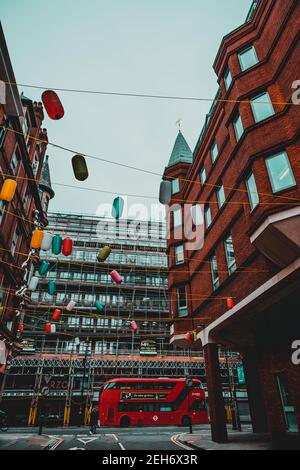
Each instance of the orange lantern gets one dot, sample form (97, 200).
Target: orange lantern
(56, 314)
(36, 239)
(8, 190)
(230, 303)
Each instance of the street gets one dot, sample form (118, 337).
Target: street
(106, 439)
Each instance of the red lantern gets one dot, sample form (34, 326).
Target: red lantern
(52, 104)
(190, 336)
(67, 246)
(21, 327)
(56, 314)
(133, 325)
(116, 277)
(230, 303)
(48, 327)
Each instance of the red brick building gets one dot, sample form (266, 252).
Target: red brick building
(21, 158)
(245, 170)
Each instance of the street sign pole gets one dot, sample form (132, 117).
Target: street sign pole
(189, 384)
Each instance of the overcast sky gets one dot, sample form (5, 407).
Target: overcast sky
(141, 46)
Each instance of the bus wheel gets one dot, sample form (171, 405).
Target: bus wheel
(125, 421)
(186, 421)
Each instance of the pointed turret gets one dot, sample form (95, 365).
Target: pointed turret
(181, 152)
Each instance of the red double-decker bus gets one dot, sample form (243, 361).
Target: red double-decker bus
(150, 402)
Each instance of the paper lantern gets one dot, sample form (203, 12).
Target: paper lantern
(104, 253)
(8, 190)
(56, 244)
(44, 268)
(47, 241)
(51, 287)
(99, 306)
(21, 327)
(56, 314)
(70, 305)
(230, 303)
(116, 277)
(33, 283)
(79, 167)
(67, 246)
(133, 325)
(37, 239)
(190, 336)
(165, 192)
(52, 105)
(117, 207)
(49, 328)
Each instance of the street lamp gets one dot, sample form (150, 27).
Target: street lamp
(189, 385)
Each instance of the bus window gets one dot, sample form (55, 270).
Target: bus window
(165, 408)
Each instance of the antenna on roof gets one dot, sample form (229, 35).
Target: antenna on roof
(178, 122)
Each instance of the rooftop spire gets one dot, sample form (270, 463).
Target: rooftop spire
(181, 152)
(45, 180)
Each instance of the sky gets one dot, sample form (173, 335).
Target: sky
(162, 47)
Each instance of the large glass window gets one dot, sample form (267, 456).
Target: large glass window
(202, 174)
(214, 151)
(175, 186)
(208, 217)
(252, 191)
(238, 127)
(221, 196)
(262, 107)
(280, 172)
(248, 58)
(229, 251)
(179, 254)
(177, 218)
(227, 78)
(182, 301)
(214, 272)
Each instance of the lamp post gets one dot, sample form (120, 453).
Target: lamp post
(189, 385)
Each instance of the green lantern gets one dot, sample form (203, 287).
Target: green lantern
(104, 253)
(44, 268)
(79, 167)
(117, 207)
(99, 306)
(56, 244)
(51, 287)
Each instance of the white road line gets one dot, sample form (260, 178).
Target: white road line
(121, 445)
(59, 441)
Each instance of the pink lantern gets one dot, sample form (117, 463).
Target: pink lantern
(116, 277)
(133, 325)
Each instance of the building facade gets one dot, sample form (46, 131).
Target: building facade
(239, 289)
(21, 159)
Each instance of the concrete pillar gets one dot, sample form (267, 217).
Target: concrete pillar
(255, 396)
(215, 395)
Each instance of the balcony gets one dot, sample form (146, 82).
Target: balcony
(278, 237)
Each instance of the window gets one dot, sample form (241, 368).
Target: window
(14, 241)
(221, 196)
(214, 272)
(262, 107)
(280, 172)
(286, 403)
(229, 251)
(227, 78)
(238, 127)
(175, 186)
(208, 218)
(202, 174)
(14, 162)
(214, 151)
(179, 254)
(252, 191)
(2, 206)
(248, 58)
(181, 301)
(177, 218)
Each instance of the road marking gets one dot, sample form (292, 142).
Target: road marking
(56, 444)
(121, 445)
(180, 444)
(113, 436)
(76, 448)
(86, 440)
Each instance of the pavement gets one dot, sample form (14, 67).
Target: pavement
(245, 440)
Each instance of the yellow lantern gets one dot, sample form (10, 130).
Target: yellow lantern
(8, 190)
(36, 239)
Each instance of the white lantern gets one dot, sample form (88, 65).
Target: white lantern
(77, 341)
(2, 353)
(33, 283)
(70, 305)
(47, 241)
